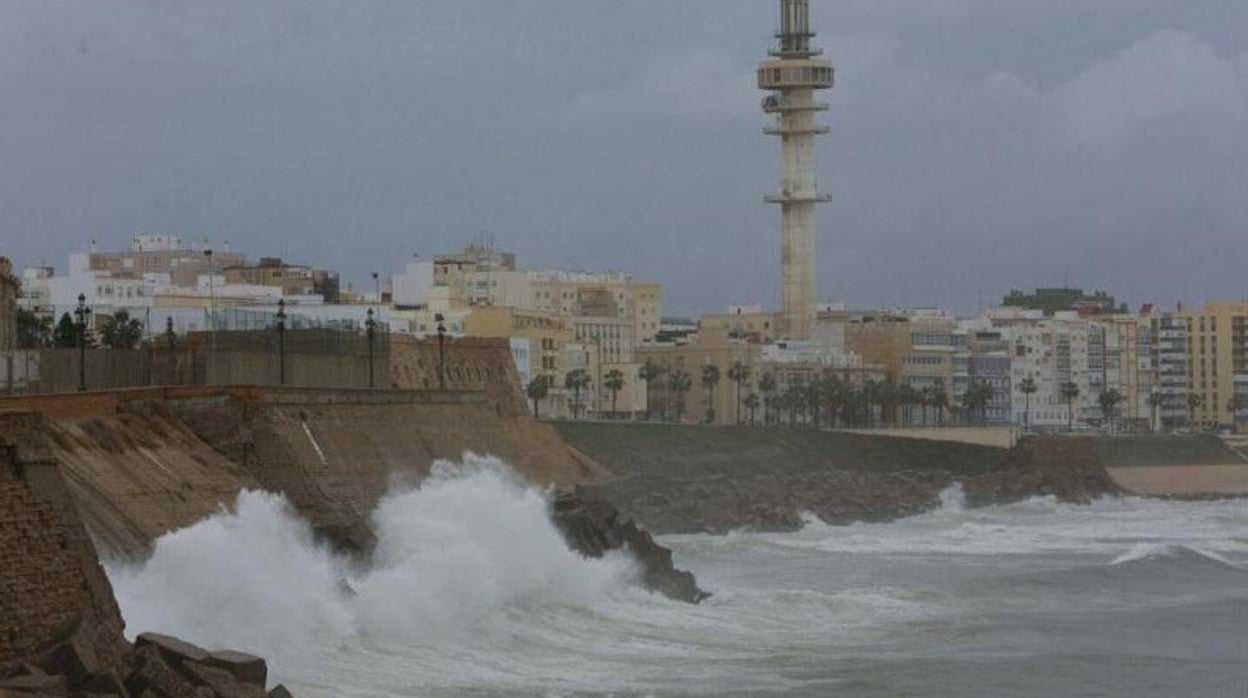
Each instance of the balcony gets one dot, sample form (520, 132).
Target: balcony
(786, 198)
(806, 131)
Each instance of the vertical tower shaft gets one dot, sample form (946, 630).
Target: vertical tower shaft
(792, 75)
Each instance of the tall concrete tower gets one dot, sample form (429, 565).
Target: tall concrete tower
(792, 75)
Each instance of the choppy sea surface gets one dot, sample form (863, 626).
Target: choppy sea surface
(473, 593)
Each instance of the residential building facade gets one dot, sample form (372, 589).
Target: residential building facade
(1217, 350)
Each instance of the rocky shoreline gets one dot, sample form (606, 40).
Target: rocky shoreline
(155, 666)
(685, 492)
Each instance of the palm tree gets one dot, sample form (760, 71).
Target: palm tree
(576, 381)
(812, 394)
(679, 383)
(1156, 401)
(833, 392)
(1027, 387)
(34, 331)
(1069, 392)
(792, 401)
(1109, 400)
(710, 379)
(613, 381)
(649, 373)
(120, 331)
(870, 395)
(767, 386)
(907, 397)
(976, 399)
(1193, 401)
(739, 373)
(751, 405)
(940, 400)
(537, 390)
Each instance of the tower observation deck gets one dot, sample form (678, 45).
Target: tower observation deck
(791, 76)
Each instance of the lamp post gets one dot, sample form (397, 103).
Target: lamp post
(212, 302)
(441, 352)
(170, 337)
(281, 342)
(370, 328)
(81, 313)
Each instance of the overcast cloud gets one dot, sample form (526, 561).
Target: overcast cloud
(977, 144)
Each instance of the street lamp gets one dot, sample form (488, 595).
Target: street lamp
(281, 341)
(81, 312)
(441, 351)
(370, 328)
(170, 337)
(212, 301)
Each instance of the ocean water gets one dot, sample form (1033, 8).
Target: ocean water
(473, 593)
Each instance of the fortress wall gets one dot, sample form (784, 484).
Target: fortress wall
(140, 462)
(53, 592)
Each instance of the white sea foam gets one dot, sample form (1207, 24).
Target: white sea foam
(953, 497)
(1143, 552)
(452, 554)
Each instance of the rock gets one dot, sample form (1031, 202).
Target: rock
(243, 667)
(592, 527)
(171, 648)
(108, 683)
(151, 676)
(222, 682)
(74, 658)
(279, 691)
(39, 684)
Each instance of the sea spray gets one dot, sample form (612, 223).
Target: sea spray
(250, 579)
(471, 541)
(953, 497)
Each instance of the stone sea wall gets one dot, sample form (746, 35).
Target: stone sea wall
(60, 627)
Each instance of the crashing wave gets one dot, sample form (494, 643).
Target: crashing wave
(471, 543)
(1148, 552)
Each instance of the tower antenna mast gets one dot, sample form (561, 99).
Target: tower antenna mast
(791, 77)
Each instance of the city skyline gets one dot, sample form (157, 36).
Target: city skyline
(1112, 163)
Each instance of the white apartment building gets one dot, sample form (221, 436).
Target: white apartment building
(1052, 351)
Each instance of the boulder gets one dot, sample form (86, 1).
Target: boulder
(150, 675)
(244, 667)
(279, 691)
(171, 648)
(37, 684)
(592, 526)
(222, 682)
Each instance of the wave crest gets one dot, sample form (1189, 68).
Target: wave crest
(470, 542)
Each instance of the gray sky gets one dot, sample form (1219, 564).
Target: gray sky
(976, 144)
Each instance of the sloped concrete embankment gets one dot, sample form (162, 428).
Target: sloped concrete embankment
(139, 463)
(680, 479)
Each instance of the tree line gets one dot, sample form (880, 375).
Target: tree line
(828, 400)
(116, 331)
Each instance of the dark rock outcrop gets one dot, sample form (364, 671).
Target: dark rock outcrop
(1067, 468)
(593, 527)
